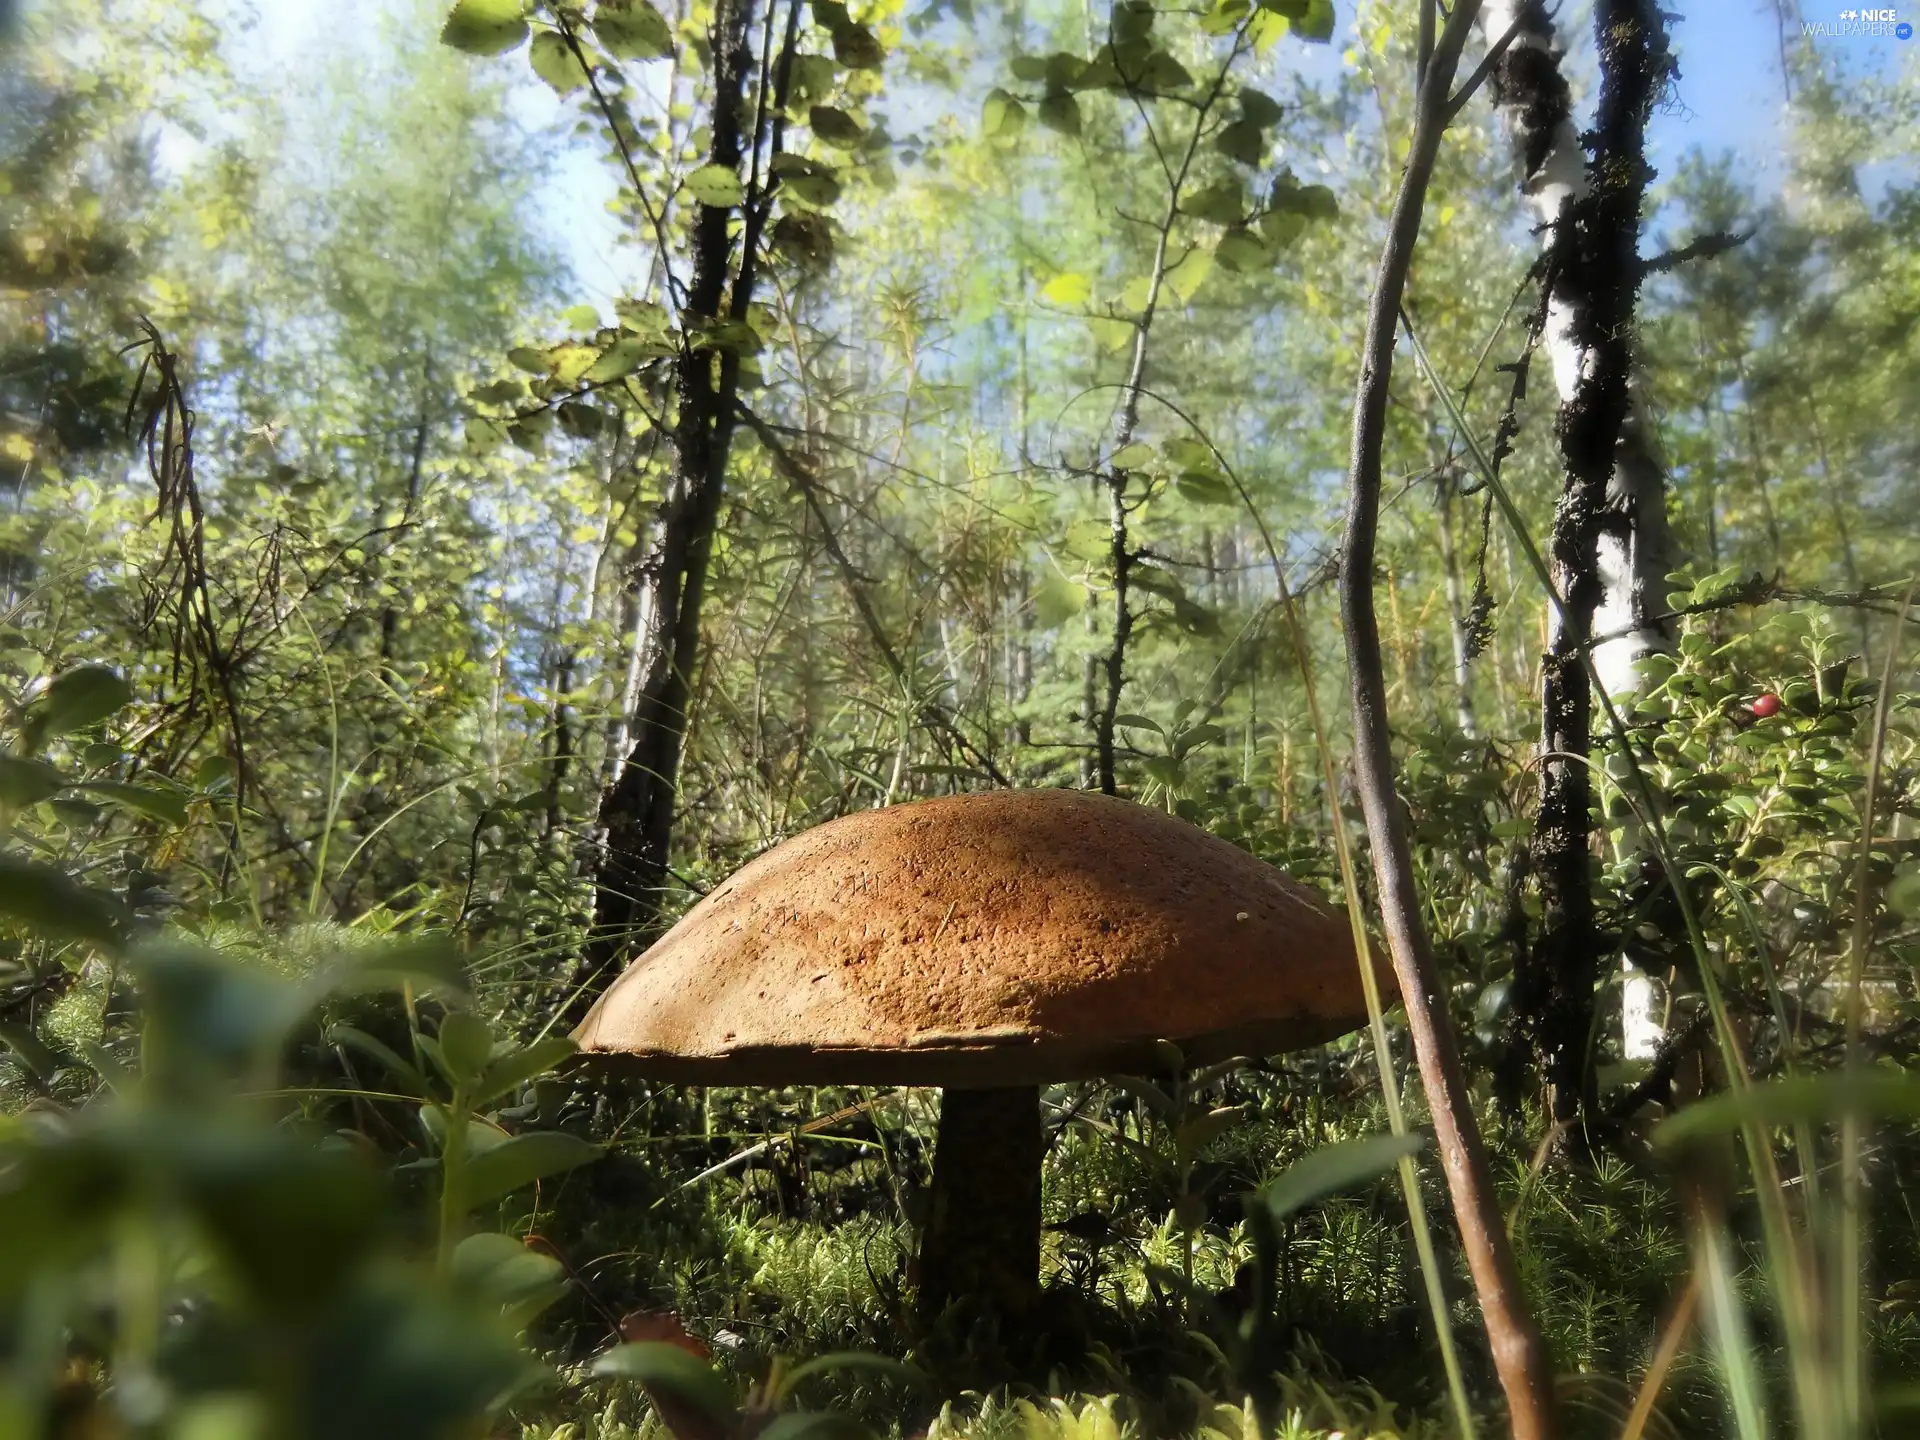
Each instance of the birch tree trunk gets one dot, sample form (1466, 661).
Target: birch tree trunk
(1610, 547)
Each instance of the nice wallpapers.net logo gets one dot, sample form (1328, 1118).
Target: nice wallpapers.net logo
(1859, 25)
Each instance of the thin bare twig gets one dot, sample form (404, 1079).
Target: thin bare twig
(1518, 1353)
(931, 713)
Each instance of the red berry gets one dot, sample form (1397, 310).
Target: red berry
(1765, 706)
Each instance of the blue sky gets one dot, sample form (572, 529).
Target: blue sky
(1729, 97)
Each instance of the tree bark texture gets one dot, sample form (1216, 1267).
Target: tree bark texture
(1518, 1354)
(638, 810)
(1610, 546)
(982, 1243)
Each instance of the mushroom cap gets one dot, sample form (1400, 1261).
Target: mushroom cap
(1010, 937)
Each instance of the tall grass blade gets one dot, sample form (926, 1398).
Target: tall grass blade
(1853, 1378)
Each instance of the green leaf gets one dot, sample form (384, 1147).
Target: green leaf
(553, 61)
(1241, 251)
(209, 1017)
(1132, 21)
(1068, 289)
(1098, 74)
(672, 1371)
(1315, 202)
(1333, 1168)
(1903, 892)
(643, 317)
(1190, 740)
(28, 1049)
(74, 813)
(466, 1047)
(1223, 203)
(1190, 274)
(1002, 116)
(716, 186)
(1111, 334)
(291, 1222)
(480, 1134)
(1280, 228)
(1138, 722)
(525, 1158)
(580, 319)
(621, 359)
(485, 27)
(1806, 1099)
(80, 697)
(1187, 453)
(1259, 108)
(1204, 487)
(1057, 600)
(632, 30)
(581, 421)
(811, 183)
(804, 238)
(857, 48)
(500, 392)
(835, 127)
(402, 1359)
(1243, 141)
(351, 1037)
(49, 902)
(568, 362)
(1266, 30)
(26, 782)
(483, 436)
(164, 805)
(1317, 25)
(505, 1272)
(1063, 70)
(811, 78)
(1165, 75)
(1131, 456)
(1225, 17)
(62, 1196)
(1059, 111)
(428, 962)
(525, 357)
(509, 1072)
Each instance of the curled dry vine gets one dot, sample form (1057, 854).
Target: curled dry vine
(160, 417)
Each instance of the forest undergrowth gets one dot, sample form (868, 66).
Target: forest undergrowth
(400, 629)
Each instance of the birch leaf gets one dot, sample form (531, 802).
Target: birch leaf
(485, 27)
(715, 185)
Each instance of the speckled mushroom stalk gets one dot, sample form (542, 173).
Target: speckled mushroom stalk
(986, 944)
(981, 1246)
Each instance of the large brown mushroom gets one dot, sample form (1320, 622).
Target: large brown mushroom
(986, 944)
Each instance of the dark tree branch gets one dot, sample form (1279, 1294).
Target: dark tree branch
(1703, 248)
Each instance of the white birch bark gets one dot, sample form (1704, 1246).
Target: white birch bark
(1632, 567)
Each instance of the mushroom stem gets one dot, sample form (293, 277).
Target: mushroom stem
(982, 1243)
